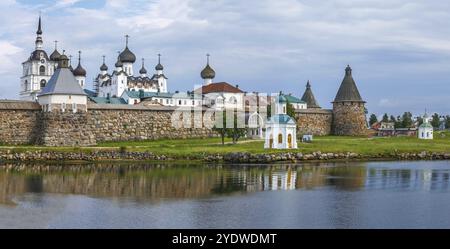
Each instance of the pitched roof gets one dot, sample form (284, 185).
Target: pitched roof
(62, 82)
(219, 87)
(309, 98)
(292, 99)
(348, 90)
(103, 100)
(281, 119)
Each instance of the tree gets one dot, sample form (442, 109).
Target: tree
(435, 120)
(290, 110)
(385, 118)
(221, 130)
(236, 132)
(447, 122)
(419, 120)
(407, 121)
(373, 119)
(398, 123)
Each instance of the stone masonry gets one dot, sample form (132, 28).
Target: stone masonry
(314, 121)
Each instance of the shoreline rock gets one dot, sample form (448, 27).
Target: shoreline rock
(234, 157)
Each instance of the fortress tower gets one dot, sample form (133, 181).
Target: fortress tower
(349, 117)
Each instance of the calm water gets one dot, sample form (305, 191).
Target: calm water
(353, 195)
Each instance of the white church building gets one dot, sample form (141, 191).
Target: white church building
(281, 129)
(425, 129)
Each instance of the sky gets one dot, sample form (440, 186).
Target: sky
(399, 50)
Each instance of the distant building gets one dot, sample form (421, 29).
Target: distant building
(309, 99)
(281, 129)
(425, 129)
(62, 91)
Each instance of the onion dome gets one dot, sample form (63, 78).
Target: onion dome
(348, 92)
(143, 70)
(159, 67)
(309, 98)
(119, 62)
(55, 55)
(103, 67)
(70, 61)
(63, 61)
(127, 56)
(208, 72)
(79, 71)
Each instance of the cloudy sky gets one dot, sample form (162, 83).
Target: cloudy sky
(399, 49)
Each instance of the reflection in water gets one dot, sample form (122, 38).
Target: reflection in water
(169, 181)
(341, 195)
(153, 182)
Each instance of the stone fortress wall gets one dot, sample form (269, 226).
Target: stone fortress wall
(25, 123)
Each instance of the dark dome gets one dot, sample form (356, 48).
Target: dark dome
(159, 67)
(36, 55)
(127, 56)
(104, 67)
(63, 57)
(79, 71)
(208, 73)
(55, 55)
(143, 70)
(119, 63)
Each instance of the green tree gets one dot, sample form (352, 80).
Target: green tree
(447, 122)
(385, 118)
(236, 132)
(407, 121)
(373, 119)
(419, 120)
(398, 123)
(220, 127)
(290, 110)
(435, 120)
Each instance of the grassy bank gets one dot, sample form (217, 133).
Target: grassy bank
(199, 147)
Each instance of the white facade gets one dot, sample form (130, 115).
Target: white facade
(281, 130)
(426, 129)
(63, 102)
(221, 100)
(37, 70)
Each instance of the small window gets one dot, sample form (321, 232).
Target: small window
(280, 138)
(43, 83)
(41, 70)
(179, 102)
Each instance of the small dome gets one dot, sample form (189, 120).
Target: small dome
(55, 55)
(119, 62)
(79, 71)
(127, 56)
(104, 67)
(159, 67)
(63, 57)
(208, 73)
(143, 70)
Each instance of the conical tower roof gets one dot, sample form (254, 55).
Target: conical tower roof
(309, 98)
(348, 90)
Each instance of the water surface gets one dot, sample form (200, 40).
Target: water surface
(332, 195)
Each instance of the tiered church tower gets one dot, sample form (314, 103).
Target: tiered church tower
(349, 118)
(38, 69)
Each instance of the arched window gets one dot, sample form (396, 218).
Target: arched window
(280, 138)
(233, 100)
(41, 70)
(43, 83)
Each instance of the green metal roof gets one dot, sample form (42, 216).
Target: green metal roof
(292, 99)
(103, 100)
(426, 125)
(281, 119)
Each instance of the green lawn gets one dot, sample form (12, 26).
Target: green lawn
(193, 148)
(361, 145)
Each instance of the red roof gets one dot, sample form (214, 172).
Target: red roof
(219, 87)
